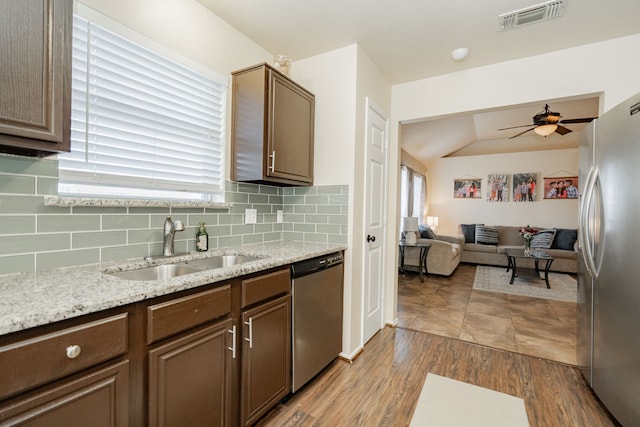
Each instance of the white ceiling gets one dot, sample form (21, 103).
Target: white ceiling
(412, 39)
(477, 132)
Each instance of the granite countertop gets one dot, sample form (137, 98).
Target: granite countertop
(28, 300)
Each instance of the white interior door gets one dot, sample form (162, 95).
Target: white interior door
(375, 223)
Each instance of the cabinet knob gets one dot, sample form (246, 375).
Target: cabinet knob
(371, 238)
(73, 351)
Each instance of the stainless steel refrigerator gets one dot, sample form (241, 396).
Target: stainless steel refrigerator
(609, 260)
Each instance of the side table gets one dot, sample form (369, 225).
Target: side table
(424, 250)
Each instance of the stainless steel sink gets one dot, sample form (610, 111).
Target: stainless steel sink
(167, 271)
(158, 272)
(219, 261)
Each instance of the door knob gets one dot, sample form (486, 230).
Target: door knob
(371, 238)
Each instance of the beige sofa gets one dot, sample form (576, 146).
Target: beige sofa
(443, 256)
(565, 260)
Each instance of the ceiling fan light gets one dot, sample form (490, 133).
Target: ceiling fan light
(545, 130)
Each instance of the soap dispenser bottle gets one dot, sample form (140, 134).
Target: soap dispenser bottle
(202, 239)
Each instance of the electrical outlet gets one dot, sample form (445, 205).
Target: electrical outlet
(250, 216)
(279, 216)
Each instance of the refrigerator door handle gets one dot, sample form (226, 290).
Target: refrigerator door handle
(584, 235)
(582, 213)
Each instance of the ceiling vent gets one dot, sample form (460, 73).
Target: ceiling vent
(532, 14)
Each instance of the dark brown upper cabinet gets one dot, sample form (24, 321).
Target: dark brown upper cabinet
(35, 76)
(272, 128)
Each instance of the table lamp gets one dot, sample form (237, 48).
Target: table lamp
(410, 227)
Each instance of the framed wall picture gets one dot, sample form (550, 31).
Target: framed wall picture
(524, 187)
(498, 188)
(563, 187)
(469, 188)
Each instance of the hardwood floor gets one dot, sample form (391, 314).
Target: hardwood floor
(448, 306)
(382, 386)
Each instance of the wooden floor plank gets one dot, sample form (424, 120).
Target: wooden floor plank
(382, 386)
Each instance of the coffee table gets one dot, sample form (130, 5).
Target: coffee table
(536, 255)
(424, 250)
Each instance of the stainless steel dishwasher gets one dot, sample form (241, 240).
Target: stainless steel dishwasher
(317, 315)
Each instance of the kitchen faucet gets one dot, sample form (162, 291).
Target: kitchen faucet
(170, 228)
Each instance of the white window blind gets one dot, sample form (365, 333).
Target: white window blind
(141, 125)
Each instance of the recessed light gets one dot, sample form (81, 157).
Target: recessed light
(460, 54)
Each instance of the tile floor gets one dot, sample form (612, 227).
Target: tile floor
(448, 306)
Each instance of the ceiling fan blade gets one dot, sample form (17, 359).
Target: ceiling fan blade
(522, 133)
(515, 127)
(584, 120)
(563, 130)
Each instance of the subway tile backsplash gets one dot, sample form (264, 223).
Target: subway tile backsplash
(316, 214)
(35, 237)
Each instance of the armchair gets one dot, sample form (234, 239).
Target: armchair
(443, 257)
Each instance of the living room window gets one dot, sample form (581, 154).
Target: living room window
(142, 125)
(412, 193)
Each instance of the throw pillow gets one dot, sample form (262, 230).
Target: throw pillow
(486, 235)
(565, 239)
(543, 239)
(426, 232)
(469, 232)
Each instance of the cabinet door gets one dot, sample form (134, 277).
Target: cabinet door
(189, 379)
(291, 120)
(100, 398)
(266, 357)
(35, 47)
(248, 131)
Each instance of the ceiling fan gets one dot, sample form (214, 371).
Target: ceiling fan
(547, 122)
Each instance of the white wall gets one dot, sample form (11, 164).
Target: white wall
(341, 81)
(543, 213)
(331, 77)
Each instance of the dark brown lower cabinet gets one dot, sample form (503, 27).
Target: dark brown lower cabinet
(98, 398)
(266, 360)
(190, 379)
(217, 355)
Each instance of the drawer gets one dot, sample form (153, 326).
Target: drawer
(38, 360)
(266, 286)
(180, 314)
